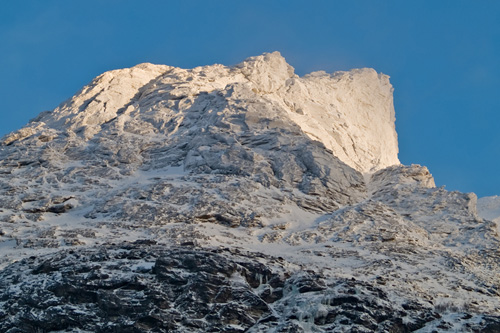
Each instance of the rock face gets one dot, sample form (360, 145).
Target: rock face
(350, 113)
(239, 198)
(142, 287)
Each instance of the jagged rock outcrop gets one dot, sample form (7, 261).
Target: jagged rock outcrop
(251, 158)
(142, 287)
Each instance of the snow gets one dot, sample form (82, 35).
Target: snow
(7, 245)
(102, 99)
(351, 113)
(252, 157)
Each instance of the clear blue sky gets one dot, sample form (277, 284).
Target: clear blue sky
(443, 58)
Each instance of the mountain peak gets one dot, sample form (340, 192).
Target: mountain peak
(350, 113)
(269, 72)
(241, 198)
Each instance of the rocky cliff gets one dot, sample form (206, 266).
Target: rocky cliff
(240, 198)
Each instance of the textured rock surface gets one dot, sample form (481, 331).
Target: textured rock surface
(251, 158)
(143, 287)
(351, 113)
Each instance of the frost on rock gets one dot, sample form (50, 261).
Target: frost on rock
(298, 174)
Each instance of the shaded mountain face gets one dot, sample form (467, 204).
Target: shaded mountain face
(297, 177)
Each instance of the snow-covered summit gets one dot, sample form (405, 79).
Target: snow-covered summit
(280, 197)
(351, 113)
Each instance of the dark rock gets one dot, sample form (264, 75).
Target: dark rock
(307, 282)
(142, 287)
(492, 324)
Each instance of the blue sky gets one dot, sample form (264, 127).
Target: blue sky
(443, 58)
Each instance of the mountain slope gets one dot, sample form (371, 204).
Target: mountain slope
(253, 159)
